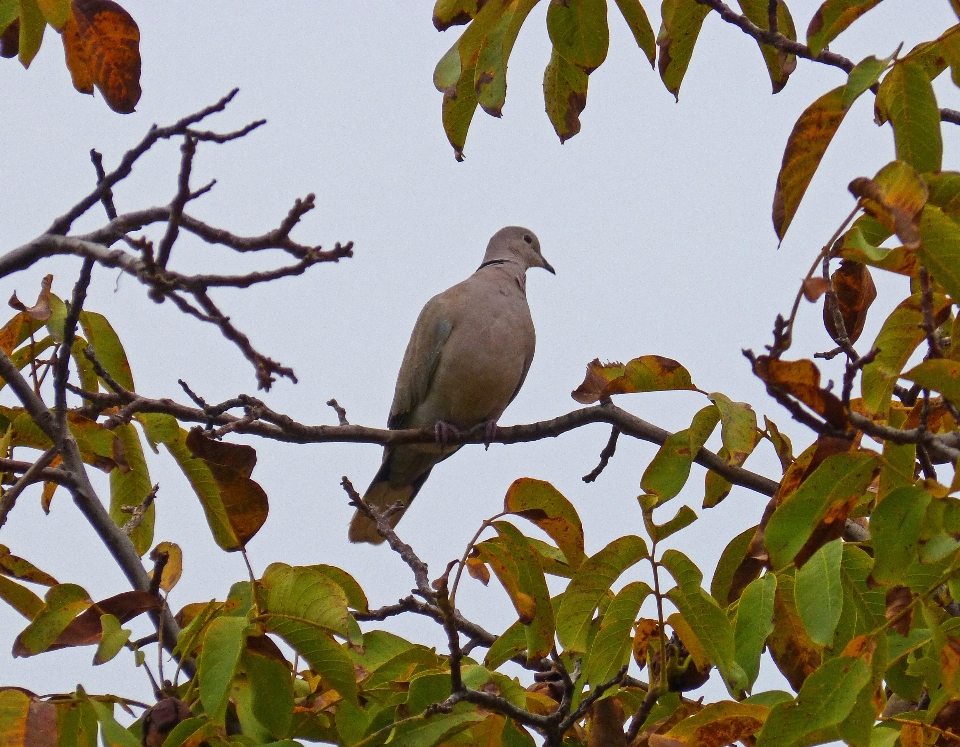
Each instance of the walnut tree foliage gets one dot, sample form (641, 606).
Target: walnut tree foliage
(849, 578)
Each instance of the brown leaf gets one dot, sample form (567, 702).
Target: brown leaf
(10, 40)
(41, 724)
(86, 629)
(801, 379)
(855, 292)
(830, 528)
(606, 724)
(109, 43)
(899, 612)
(895, 198)
(76, 57)
(239, 457)
(159, 720)
(795, 655)
(264, 645)
(948, 720)
(814, 287)
(41, 309)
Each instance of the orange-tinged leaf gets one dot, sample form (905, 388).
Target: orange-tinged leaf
(895, 197)
(832, 18)
(10, 334)
(75, 54)
(855, 292)
(40, 311)
(14, 712)
(645, 631)
(20, 598)
(805, 148)
(719, 724)
(16, 567)
(544, 505)
(795, 655)
(899, 614)
(648, 373)
(900, 259)
(111, 40)
(950, 663)
(801, 379)
(173, 568)
(505, 568)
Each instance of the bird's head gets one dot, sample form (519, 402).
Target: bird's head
(517, 244)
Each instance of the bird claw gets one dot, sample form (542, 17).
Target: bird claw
(443, 431)
(489, 433)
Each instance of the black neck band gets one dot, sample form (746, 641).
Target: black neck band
(494, 262)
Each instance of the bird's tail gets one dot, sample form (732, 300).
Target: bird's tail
(386, 490)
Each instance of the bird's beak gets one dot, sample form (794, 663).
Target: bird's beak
(547, 266)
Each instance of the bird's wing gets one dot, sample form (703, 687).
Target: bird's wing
(420, 360)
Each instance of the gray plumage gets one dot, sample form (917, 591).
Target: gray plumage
(466, 360)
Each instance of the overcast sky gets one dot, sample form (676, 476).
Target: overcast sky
(656, 217)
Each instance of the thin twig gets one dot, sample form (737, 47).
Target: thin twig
(608, 451)
(33, 474)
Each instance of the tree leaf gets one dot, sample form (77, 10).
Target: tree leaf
(669, 469)
(55, 12)
(491, 72)
(540, 631)
(826, 698)
(805, 148)
(498, 557)
(730, 559)
(707, 621)
(838, 479)
(447, 13)
(20, 598)
(510, 643)
(113, 639)
(32, 25)
(579, 32)
(855, 292)
(818, 594)
(720, 723)
(611, 648)
(16, 567)
(271, 685)
(105, 343)
(938, 374)
(832, 18)
(738, 430)
(590, 584)
(110, 46)
(780, 65)
(895, 197)
(222, 646)
(62, 604)
(129, 488)
(14, 713)
(680, 27)
(75, 54)
(636, 18)
(795, 655)
(940, 249)
(565, 94)
(648, 373)
(895, 529)
(907, 100)
(753, 625)
(433, 730)
(899, 336)
(541, 503)
(659, 532)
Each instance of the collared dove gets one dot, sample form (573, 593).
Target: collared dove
(466, 360)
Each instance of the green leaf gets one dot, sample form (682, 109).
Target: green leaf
(9, 12)
(541, 503)
(864, 74)
(302, 607)
(106, 346)
(895, 529)
(55, 11)
(648, 373)
(114, 638)
(708, 622)
(826, 698)
(779, 64)
(738, 431)
(447, 13)
(565, 95)
(680, 27)
(114, 735)
(658, 532)
(32, 26)
(832, 18)
(669, 469)
(592, 581)
(938, 374)
(899, 336)
(753, 624)
(907, 100)
(636, 18)
(940, 249)
(579, 32)
(20, 598)
(805, 148)
(540, 631)
(512, 642)
(730, 560)
(356, 598)
(818, 593)
(129, 488)
(611, 647)
(223, 644)
(63, 603)
(431, 731)
(271, 689)
(840, 478)
(491, 72)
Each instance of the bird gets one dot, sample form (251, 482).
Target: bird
(467, 358)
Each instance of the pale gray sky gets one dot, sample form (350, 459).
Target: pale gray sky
(656, 217)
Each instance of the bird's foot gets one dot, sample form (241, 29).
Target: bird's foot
(443, 431)
(489, 433)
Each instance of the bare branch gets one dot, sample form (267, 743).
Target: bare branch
(608, 451)
(34, 473)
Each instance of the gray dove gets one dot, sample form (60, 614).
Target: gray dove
(466, 360)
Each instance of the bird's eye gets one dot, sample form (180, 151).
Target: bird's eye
(528, 238)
